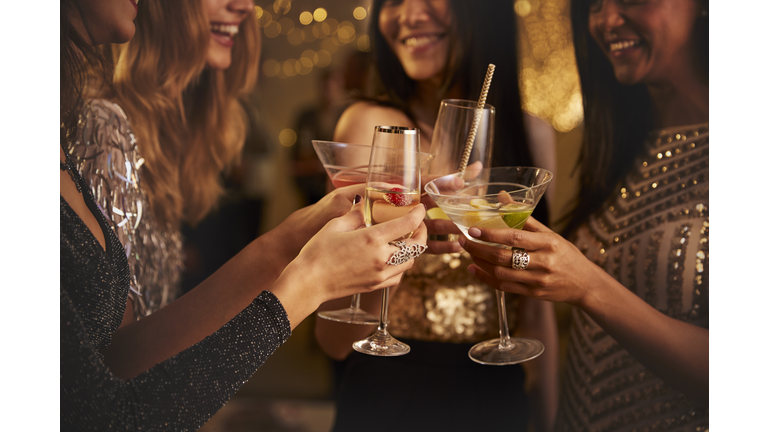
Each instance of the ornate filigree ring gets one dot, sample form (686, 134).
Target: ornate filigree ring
(520, 259)
(406, 252)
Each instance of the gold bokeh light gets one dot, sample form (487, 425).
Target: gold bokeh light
(320, 14)
(549, 80)
(286, 25)
(360, 13)
(364, 43)
(306, 18)
(287, 137)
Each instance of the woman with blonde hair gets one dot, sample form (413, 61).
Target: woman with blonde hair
(179, 80)
(177, 367)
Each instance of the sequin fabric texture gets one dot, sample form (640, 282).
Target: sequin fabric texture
(653, 237)
(179, 394)
(106, 154)
(438, 300)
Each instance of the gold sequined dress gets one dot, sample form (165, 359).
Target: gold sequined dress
(653, 237)
(440, 310)
(106, 154)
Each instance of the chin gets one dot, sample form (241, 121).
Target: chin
(219, 63)
(123, 35)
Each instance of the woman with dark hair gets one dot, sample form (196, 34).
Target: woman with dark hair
(223, 330)
(637, 268)
(426, 51)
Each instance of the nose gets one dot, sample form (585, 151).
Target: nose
(241, 7)
(414, 12)
(609, 17)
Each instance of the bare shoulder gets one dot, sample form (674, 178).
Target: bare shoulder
(357, 122)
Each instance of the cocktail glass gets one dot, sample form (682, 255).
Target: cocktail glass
(346, 165)
(494, 198)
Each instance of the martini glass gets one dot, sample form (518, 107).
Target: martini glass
(494, 198)
(391, 191)
(347, 165)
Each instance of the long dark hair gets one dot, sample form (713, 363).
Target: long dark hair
(484, 32)
(78, 60)
(617, 117)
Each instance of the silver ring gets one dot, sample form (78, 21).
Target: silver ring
(406, 252)
(520, 259)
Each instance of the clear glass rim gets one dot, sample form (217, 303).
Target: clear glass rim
(465, 103)
(430, 187)
(356, 145)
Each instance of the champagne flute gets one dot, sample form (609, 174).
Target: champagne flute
(449, 137)
(392, 190)
(494, 198)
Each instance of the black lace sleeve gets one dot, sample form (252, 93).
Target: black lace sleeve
(179, 394)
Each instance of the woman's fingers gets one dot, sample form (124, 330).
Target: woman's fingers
(400, 227)
(528, 240)
(512, 287)
(507, 274)
(349, 192)
(533, 225)
(441, 226)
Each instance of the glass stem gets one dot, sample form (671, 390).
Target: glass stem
(384, 311)
(504, 342)
(355, 302)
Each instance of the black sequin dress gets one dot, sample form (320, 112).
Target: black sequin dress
(179, 394)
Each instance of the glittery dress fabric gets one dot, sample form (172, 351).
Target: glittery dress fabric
(107, 156)
(179, 394)
(653, 237)
(440, 310)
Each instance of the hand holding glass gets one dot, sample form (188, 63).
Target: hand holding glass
(494, 198)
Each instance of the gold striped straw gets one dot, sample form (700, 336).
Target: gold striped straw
(476, 121)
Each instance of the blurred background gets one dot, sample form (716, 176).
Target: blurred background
(314, 63)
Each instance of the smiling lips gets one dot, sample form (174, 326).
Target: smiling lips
(618, 47)
(420, 41)
(225, 30)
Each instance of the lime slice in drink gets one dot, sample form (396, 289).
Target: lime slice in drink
(494, 222)
(517, 219)
(437, 213)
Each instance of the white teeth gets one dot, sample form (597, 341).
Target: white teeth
(616, 46)
(420, 40)
(230, 29)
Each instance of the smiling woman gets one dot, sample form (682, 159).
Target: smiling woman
(178, 81)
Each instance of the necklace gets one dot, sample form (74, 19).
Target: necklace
(67, 166)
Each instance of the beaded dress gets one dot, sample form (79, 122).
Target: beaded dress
(107, 156)
(178, 394)
(653, 237)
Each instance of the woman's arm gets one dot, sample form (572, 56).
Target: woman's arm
(677, 352)
(203, 310)
(543, 149)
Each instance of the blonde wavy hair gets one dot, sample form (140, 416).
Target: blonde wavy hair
(188, 119)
